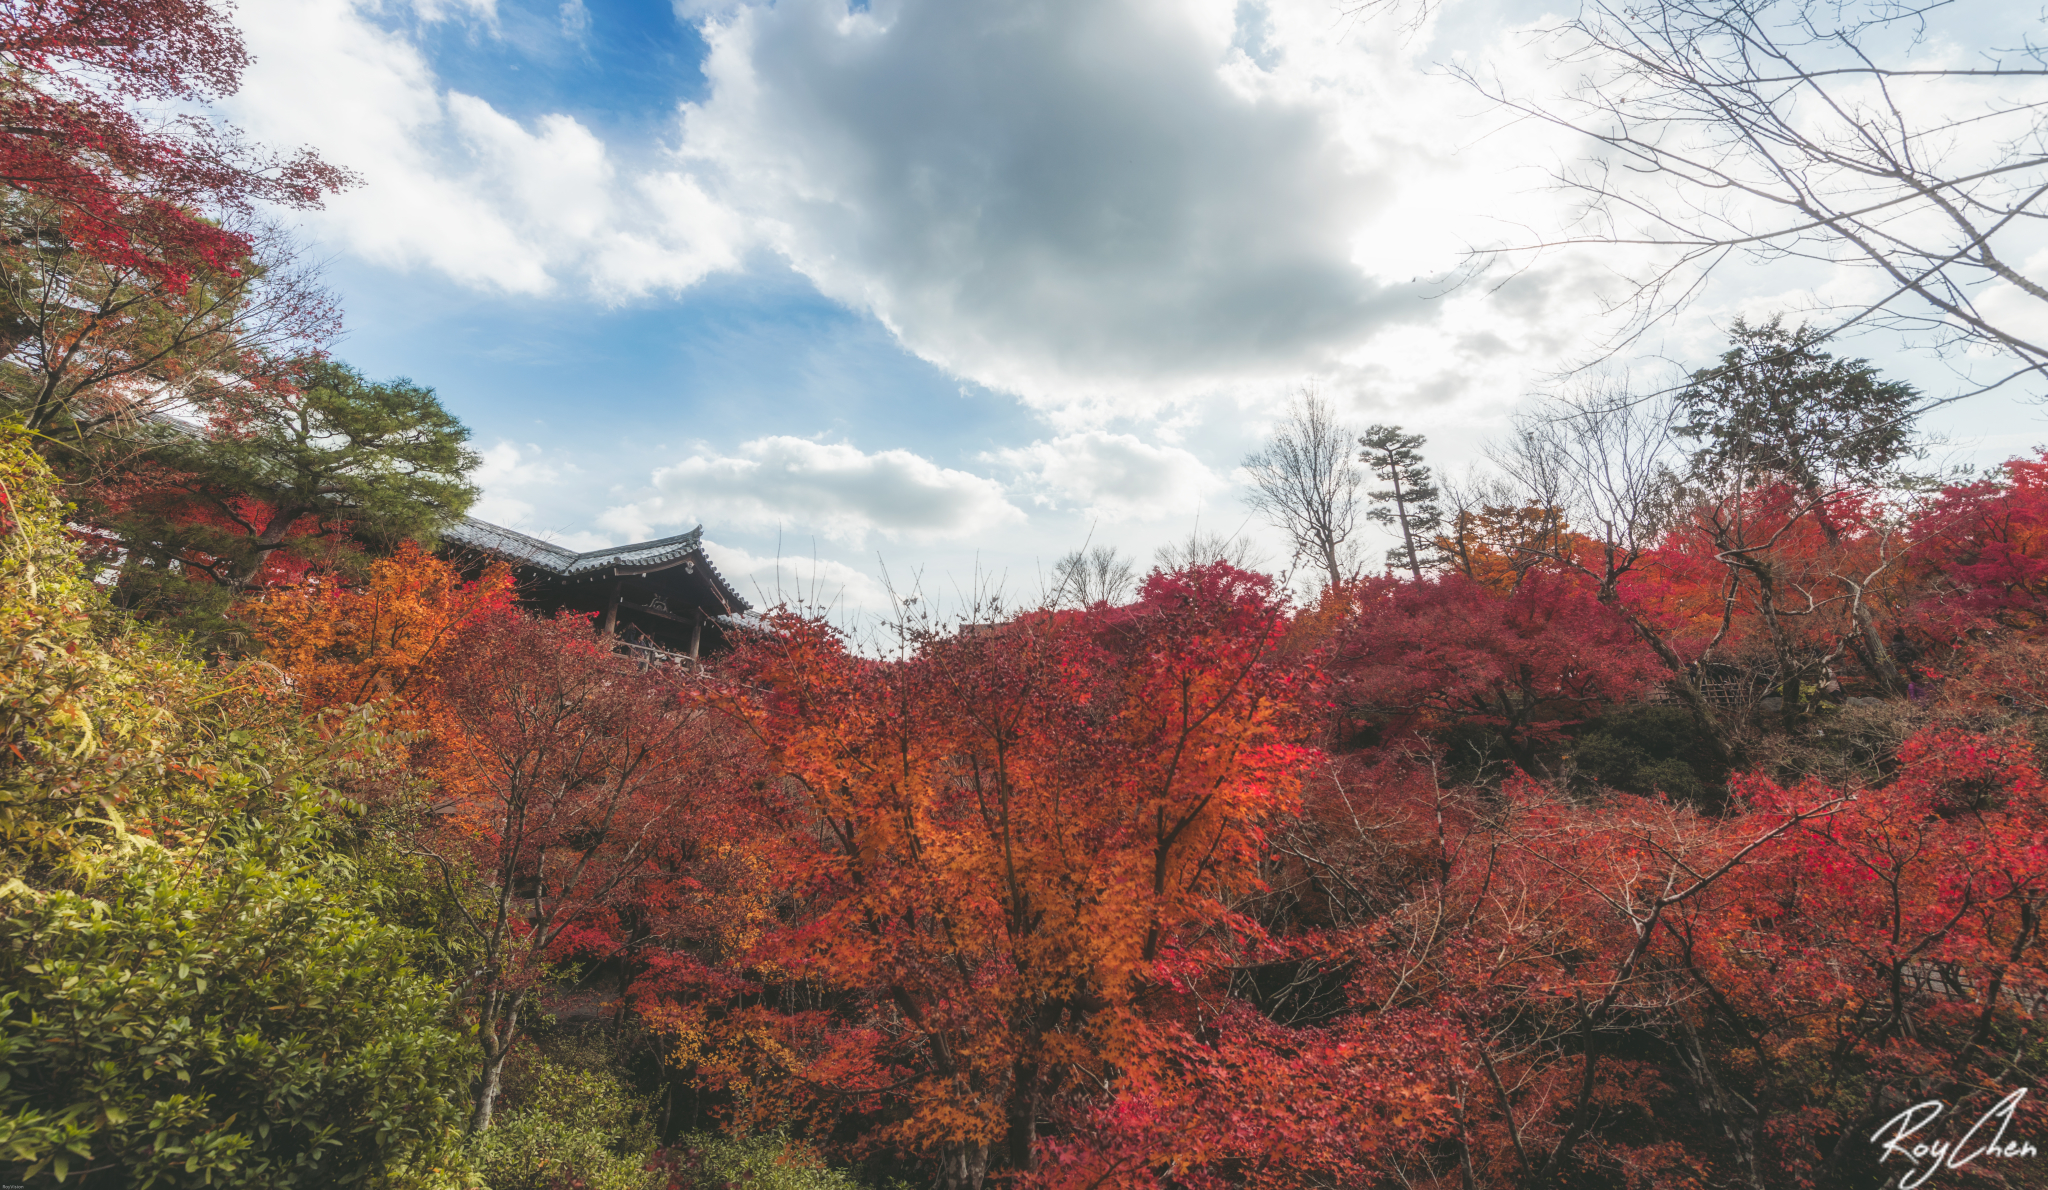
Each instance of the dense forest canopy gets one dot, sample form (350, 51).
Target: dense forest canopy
(1667, 810)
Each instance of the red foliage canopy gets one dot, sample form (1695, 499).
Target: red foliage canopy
(1524, 664)
(128, 190)
(1990, 538)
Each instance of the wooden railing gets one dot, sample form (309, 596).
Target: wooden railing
(648, 656)
(1721, 694)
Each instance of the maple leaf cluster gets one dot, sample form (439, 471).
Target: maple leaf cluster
(130, 191)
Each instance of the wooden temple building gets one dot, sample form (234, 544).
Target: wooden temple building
(660, 596)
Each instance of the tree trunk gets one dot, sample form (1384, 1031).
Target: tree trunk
(1579, 1119)
(1468, 1177)
(1738, 1126)
(963, 1167)
(1681, 675)
(1407, 537)
(1880, 657)
(497, 1036)
(269, 541)
(1023, 1146)
(1789, 670)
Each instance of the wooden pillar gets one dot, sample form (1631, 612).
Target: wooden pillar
(696, 633)
(611, 607)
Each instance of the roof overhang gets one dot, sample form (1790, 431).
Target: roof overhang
(641, 558)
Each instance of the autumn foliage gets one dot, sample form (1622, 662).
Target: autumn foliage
(1673, 822)
(376, 644)
(1209, 889)
(129, 190)
(1431, 883)
(994, 844)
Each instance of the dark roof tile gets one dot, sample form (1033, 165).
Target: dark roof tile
(532, 551)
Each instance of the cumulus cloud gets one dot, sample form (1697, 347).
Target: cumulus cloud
(835, 490)
(1114, 477)
(454, 185)
(518, 481)
(1076, 193)
(508, 472)
(767, 580)
(1098, 204)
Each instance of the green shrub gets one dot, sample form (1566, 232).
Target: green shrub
(108, 728)
(1648, 750)
(529, 1151)
(224, 1018)
(566, 1127)
(195, 989)
(754, 1163)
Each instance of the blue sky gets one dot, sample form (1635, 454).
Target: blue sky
(951, 285)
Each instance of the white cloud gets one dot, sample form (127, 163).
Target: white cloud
(1115, 477)
(1103, 205)
(835, 490)
(768, 580)
(575, 20)
(1074, 194)
(508, 473)
(452, 184)
(518, 481)
(485, 11)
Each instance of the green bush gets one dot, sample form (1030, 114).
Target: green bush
(106, 727)
(1648, 750)
(566, 1127)
(532, 1152)
(224, 1019)
(754, 1163)
(195, 987)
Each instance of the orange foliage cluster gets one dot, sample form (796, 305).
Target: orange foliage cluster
(373, 644)
(1003, 838)
(1496, 545)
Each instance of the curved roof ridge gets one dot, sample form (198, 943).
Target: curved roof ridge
(479, 534)
(639, 553)
(545, 555)
(739, 602)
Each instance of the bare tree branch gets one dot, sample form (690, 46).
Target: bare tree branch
(1773, 131)
(1306, 483)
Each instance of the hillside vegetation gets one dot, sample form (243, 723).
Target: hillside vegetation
(1667, 811)
(1454, 880)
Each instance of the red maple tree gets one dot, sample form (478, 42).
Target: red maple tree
(131, 190)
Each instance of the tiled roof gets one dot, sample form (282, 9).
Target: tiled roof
(532, 551)
(515, 547)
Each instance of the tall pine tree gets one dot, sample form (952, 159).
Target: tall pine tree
(1408, 503)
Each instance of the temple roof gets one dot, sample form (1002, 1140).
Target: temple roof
(640, 557)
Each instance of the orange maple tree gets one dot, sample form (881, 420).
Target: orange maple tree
(350, 646)
(994, 845)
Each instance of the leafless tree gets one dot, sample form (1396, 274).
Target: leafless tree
(1307, 481)
(1606, 457)
(1832, 133)
(1201, 548)
(1087, 577)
